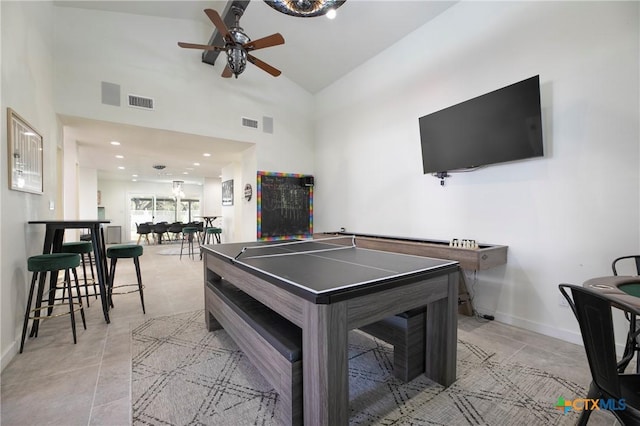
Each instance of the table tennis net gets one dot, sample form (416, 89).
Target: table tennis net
(298, 247)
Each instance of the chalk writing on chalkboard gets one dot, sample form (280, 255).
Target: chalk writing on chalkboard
(285, 206)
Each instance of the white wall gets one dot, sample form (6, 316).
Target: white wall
(249, 209)
(564, 217)
(27, 87)
(87, 193)
(212, 197)
(70, 197)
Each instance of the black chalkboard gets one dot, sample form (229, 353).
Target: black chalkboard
(284, 206)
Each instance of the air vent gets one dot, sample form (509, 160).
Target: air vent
(267, 124)
(249, 122)
(110, 93)
(136, 101)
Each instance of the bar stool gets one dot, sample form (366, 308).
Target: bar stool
(83, 248)
(41, 264)
(208, 236)
(125, 251)
(188, 233)
(213, 233)
(217, 232)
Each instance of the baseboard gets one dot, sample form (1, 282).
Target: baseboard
(558, 333)
(8, 355)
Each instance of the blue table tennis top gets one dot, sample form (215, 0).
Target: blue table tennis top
(323, 268)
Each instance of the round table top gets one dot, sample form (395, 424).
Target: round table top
(624, 287)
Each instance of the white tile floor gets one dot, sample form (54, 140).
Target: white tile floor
(58, 383)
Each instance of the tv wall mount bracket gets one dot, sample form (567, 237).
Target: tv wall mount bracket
(442, 176)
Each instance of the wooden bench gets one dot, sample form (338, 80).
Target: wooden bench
(272, 343)
(406, 333)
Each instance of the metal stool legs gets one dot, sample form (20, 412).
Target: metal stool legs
(190, 233)
(112, 275)
(49, 307)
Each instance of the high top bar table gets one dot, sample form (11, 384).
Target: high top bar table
(53, 239)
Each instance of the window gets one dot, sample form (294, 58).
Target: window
(155, 209)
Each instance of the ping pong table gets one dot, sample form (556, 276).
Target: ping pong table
(327, 289)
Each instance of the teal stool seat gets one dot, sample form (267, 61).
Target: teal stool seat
(189, 233)
(125, 251)
(77, 247)
(53, 262)
(217, 232)
(213, 232)
(40, 265)
(84, 248)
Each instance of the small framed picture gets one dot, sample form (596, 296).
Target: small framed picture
(25, 155)
(227, 193)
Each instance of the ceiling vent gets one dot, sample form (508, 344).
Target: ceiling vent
(159, 166)
(249, 122)
(136, 101)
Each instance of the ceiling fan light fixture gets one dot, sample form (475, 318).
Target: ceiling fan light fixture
(237, 45)
(305, 8)
(237, 60)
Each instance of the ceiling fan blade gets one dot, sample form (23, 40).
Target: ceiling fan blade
(227, 73)
(263, 66)
(268, 41)
(219, 23)
(199, 46)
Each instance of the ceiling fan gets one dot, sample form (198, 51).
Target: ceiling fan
(238, 45)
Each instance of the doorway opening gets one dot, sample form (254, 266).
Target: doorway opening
(155, 209)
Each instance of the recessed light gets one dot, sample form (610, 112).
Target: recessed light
(206, 154)
(134, 176)
(196, 164)
(185, 173)
(121, 167)
(134, 180)
(115, 143)
(119, 156)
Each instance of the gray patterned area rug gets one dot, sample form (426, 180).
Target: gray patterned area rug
(184, 375)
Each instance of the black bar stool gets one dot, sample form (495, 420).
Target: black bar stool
(125, 251)
(83, 248)
(41, 264)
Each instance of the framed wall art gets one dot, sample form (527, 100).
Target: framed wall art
(227, 193)
(25, 155)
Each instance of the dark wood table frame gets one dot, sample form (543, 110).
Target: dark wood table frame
(325, 327)
(53, 239)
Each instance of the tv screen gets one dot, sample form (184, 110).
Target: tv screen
(500, 126)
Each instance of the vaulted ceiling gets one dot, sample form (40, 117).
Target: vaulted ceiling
(317, 52)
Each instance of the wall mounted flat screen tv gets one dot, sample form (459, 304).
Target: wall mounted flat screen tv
(500, 126)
